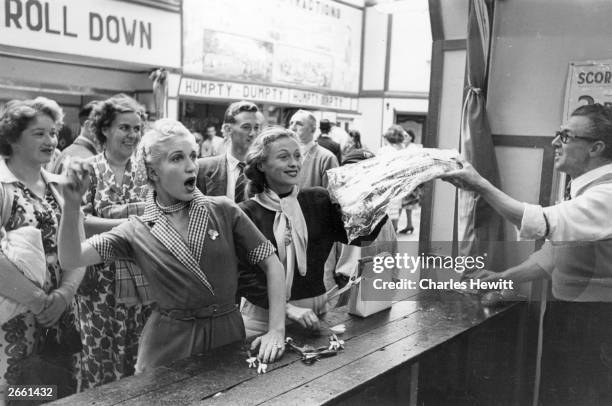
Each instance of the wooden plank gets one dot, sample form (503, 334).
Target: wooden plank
(171, 380)
(352, 376)
(226, 368)
(430, 136)
(459, 310)
(126, 388)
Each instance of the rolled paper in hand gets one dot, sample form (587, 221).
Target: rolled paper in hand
(365, 189)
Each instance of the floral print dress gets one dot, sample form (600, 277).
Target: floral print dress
(113, 300)
(17, 335)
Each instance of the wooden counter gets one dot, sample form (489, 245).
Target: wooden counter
(375, 346)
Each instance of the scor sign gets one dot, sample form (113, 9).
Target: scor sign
(588, 83)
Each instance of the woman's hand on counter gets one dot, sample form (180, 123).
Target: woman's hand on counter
(271, 346)
(305, 317)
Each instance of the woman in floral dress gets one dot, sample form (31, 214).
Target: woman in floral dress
(113, 298)
(29, 198)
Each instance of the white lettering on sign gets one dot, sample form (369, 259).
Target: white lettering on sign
(97, 28)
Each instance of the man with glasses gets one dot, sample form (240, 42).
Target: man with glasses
(577, 257)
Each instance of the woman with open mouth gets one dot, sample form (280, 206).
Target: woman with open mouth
(302, 224)
(188, 246)
(113, 300)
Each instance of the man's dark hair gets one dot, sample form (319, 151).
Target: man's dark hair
(236, 108)
(395, 134)
(356, 137)
(411, 135)
(86, 111)
(325, 126)
(600, 117)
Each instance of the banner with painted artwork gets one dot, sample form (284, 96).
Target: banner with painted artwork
(304, 43)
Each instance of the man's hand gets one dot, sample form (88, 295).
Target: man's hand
(499, 297)
(491, 276)
(271, 346)
(306, 317)
(465, 178)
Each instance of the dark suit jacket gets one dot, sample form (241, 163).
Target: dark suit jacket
(212, 175)
(331, 146)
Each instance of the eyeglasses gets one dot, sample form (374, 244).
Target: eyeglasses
(564, 136)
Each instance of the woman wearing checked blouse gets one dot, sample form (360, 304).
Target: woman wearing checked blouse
(188, 246)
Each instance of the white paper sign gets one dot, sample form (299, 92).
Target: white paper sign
(105, 29)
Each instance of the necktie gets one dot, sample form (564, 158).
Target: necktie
(567, 193)
(241, 182)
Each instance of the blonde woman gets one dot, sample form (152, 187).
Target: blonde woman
(303, 224)
(188, 246)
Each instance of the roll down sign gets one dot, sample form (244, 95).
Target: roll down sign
(41, 16)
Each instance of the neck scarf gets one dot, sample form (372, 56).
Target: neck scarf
(290, 231)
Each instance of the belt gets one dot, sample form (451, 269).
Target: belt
(208, 312)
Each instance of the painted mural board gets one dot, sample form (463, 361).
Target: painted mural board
(305, 43)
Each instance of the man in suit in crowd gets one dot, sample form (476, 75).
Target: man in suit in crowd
(84, 146)
(325, 140)
(223, 175)
(316, 159)
(217, 142)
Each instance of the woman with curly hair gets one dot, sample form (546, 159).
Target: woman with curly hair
(113, 300)
(30, 211)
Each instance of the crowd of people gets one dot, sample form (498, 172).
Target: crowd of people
(148, 252)
(128, 250)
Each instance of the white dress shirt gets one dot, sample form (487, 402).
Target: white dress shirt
(232, 174)
(306, 148)
(580, 271)
(587, 217)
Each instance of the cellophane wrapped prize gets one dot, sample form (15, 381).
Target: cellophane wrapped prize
(365, 189)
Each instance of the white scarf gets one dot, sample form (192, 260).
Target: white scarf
(288, 216)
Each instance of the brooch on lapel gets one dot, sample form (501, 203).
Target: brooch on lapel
(213, 234)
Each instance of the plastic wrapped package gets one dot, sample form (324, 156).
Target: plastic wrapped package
(365, 189)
